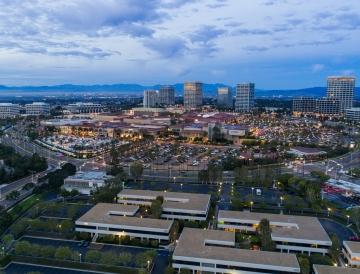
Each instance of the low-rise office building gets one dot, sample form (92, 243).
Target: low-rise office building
(9, 110)
(81, 107)
(351, 252)
(326, 269)
(85, 182)
(289, 233)
(353, 114)
(213, 251)
(121, 220)
(176, 205)
(37, 108)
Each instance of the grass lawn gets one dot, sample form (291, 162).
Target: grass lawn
(24, 205)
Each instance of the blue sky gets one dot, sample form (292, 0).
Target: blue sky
(274, 43)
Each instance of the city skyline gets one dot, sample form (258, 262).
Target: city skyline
(277, 45)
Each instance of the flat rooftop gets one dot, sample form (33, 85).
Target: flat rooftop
(192, 241)
(117, 214)
(325, 269)
(172, 200)
(90, 175)
(299, 227)
(353, 246)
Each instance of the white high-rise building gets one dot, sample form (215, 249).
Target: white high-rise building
(37, 108)
(193, 95)
(224, 97)
(151, 98)
(9, 110)
(244, 97)
(167, 96)
(343, 89)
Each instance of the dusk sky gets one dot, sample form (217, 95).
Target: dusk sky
(274, 43)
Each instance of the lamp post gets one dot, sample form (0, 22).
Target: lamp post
(281, 200)
(174, 179)
(251, 205)
(252, 191)
(329, 210)
(348, 218)
(80, 257)
(148, 265)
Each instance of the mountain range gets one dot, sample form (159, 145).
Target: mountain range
(136, 89)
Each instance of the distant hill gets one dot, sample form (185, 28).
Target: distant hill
(134, 89)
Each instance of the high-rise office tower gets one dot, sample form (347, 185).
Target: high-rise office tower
(343, 89)
(167, 95)
(328, 106)
(150, 98)
(244, 101)
(224, 97)
(193, 94)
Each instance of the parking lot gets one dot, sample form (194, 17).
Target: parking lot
(16, 268)
(161, 259)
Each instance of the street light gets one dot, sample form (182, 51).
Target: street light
(329, 210)
(148, 265)
(251, 205)
(252, 191)
(80, 256)
(181, 185)
(348, 218)
(281, 200)
(174, 179)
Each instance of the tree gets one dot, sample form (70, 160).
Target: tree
(141, 259)
(156, 208)
(355, 216)
(63, 253)
(136, 170)
(174, 231)
(304, 265)
(114, 154)
(265, 235)
(7, 240)
(93, 256)
(66, 226)
(241, 174)
(105, 194)
(108, 258)
(124, 258)
(203, 176)
(13, 195)
(23, 248)
(335, 249)
(47, 251)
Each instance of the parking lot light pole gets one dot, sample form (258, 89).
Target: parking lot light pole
(80, 256)
(281, 200)
(252, 191)
(348, 218)
(174, 179)
(329, 210)
(148, 265)
(251, 205)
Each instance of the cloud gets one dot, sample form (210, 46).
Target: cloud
(166, 47)
(203, 39)
(244, 31)
(256, 48)
(317, 67)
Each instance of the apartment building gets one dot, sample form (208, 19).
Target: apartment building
(177, 205)
(213, 251)
(121, 220)
(290, 233)
(351, 251)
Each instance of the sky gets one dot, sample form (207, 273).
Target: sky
(277, 44)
